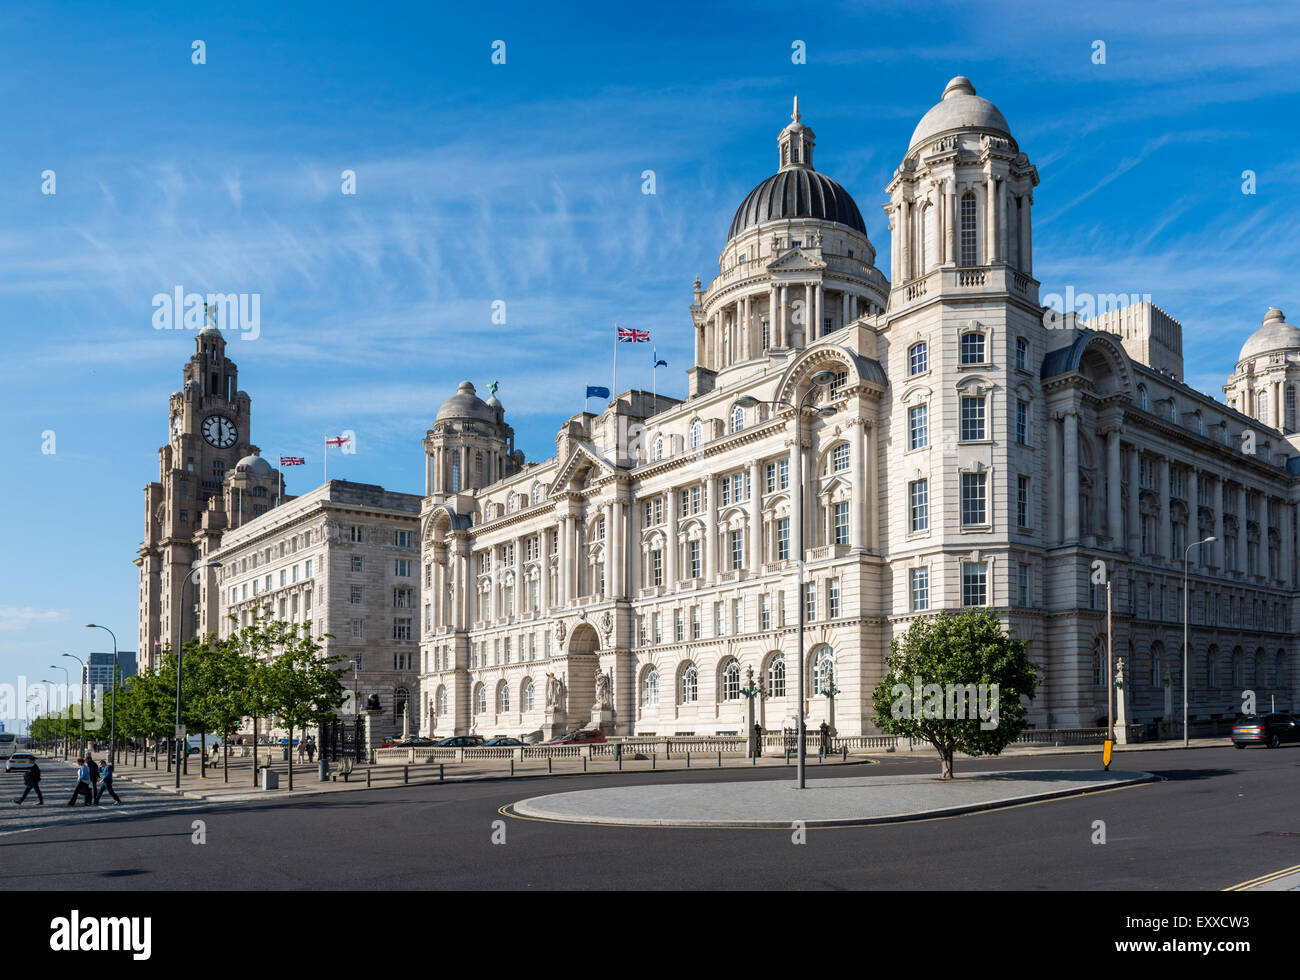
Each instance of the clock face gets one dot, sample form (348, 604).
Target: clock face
(220, 431)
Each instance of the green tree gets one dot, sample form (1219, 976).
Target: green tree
(303, 686)
(224, 697)
(956, 681)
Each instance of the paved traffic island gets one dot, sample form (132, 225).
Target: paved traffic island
(827, 802)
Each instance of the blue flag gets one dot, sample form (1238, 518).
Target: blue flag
(594, 392)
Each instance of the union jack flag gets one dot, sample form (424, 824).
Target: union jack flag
(292, 461)
(626, 336)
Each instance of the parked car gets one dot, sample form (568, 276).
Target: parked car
(402, 743)
(583, 737)
(460, 742)
(1271, 730)
(502, 740)
(19, 761)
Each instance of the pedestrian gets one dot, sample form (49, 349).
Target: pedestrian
(302, 749)
(106, 784)
(311, 752)
(32, 781)
(83, 783)
(94, 777)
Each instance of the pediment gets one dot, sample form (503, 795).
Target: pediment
(795, 260)
(583, 459)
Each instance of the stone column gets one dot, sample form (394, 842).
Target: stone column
(990, 220)
(754, 549)
(711, 530)
(1277, 405)
(1055, 511)
(544, 571)
(607, 576)
(1070, 469)
(566, 561)
(1135, 502)
(872, 488)
(774, 338)
(861, 498)
(747, 331)
(950, 221)
(808, 322)
(1165, 532)
(1241, 529)
(1026, 249)
(782, 327)
(1194, 517)
(1001, 186)
(844, 309)
(853, 306)
(1115, 503)
(905, 261)
(428, 476)
(821, 299)
(618, 576)
(671, 564)
(1217, 547)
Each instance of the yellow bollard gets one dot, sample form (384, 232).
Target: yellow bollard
(1107, 748)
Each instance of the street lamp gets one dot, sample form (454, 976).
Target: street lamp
(180, 650)
(112, 694)
(1186, 552)
(31, 715)
(67, 708)
(819, 380)
(81, 710)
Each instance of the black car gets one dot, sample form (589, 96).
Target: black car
(1271, 730)
(460, 742)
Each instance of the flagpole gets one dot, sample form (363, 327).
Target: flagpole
(325, 455)
(654, 377)
(613, 389)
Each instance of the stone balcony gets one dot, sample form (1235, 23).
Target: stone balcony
(993, 279)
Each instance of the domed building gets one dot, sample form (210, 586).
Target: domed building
(1268, 370)
(934, 440)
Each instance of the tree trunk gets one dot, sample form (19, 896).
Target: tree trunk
(291, 756)
(255, 751)
(945, 763)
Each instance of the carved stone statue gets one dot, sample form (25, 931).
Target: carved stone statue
(606, 623)
(554, 692)
(604, 694)
(560, 631)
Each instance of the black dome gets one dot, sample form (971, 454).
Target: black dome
(798, 192)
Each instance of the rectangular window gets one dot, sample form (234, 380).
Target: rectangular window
(1022, 586)
(918, 360)
(833, 598)
(357, 628)
(972, 417)
(783, 539)
(841, 457)
(810, 602)
(658, 628)
(841, 523)
(697, 625)
(358, 563)
(918, 426)
(657, 567)
(1022, 501)
(737, 549)
(770, 484)
(402, 568)
(974, 583)
(403, 539)
(402, 629)
(918, 492)
(764, 613)
(358, 534)
(973, 511)
(357, 595)
(719, 622)
(696, 566)
(737, 616)
(783, 474)
(972, 348)
(1022, 423)
(920, 589)
(679, 627)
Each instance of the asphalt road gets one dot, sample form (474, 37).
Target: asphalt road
(1216, 818)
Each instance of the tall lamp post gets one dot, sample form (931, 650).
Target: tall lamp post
(112, 695)
(819, 380)
(81, 709)
(67, 710)
(1186, 552)
(182, 743)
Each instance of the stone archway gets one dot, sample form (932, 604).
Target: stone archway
(583, 658)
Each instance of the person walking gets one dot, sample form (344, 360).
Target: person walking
(32, 781)
(302, 749)
(94, 777)
(106, 784)
(83, 783)
(311, 752)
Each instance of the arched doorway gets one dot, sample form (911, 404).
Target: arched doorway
(580, 674)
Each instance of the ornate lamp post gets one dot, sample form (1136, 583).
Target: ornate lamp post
(81, 708)
(751, 691)
(819, 380)
(112, 694)
(67, 709)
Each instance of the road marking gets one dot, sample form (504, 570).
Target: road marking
(1263, 879)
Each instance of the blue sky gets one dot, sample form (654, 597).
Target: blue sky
(522, 183)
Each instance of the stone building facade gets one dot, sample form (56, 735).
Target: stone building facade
(934, 440)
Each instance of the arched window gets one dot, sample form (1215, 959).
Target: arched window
(1261, 407)
(1142, 397)
(1098, 679)
(918, 358)
(503, 699)
(401, 697)
(1173, 411)
(1022, 353)
(528, 695)
(823, 669)
(442, 700)
(1290, 420)
(969, 249)
(1212, 668)
(455, 474)
(776, 677)
(696, 434)
(737, 419)
(510, 503)
(479, 469)
(650, 688)
(690, 684)
(1155, 667)
(536, 494)
(480, 700)
(657, 450)
(731, 682)
(1236, 667)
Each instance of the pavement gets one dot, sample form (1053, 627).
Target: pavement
(841, 802)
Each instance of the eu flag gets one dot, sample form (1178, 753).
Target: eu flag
(594, 392)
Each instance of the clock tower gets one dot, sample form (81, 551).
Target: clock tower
(185, 509)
